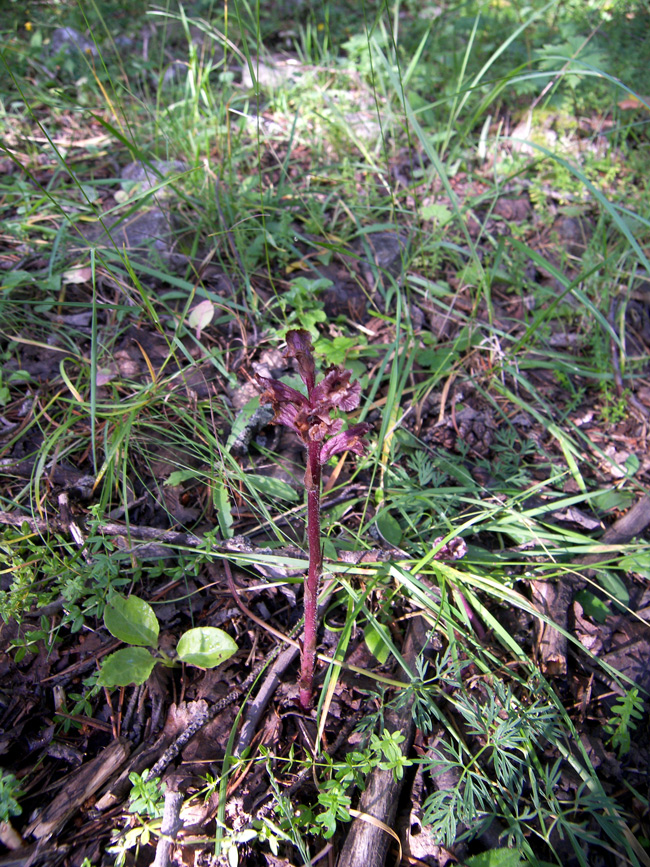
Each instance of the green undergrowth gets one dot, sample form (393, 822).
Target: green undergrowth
(481, 349)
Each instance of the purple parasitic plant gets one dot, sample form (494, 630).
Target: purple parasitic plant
(312, 417)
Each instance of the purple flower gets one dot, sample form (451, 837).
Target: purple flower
(454, 549)
(311, 417)
(349, 440)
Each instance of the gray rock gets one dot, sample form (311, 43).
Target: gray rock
(272, 73)
(67, 39)
(386, 251)
(148, 176)
(575, 233)
(364, 125)
(150, 227)
(125, 42)
(175, 73)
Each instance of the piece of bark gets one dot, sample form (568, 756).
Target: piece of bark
(624, 530)
(367, 844)
(554, 600)
(9, 837)
(36, 853)
(78, 787)
(117, 790)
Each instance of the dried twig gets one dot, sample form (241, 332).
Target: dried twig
(171, 825)
(262, 698)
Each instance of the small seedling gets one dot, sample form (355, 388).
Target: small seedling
(311, 417)
(133, 621)
(625, 714)
(9, 794)
(146, 798)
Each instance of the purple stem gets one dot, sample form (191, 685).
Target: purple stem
(312, 484)
(473, 619)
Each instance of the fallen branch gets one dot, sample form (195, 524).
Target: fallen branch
(369, 838)
(78, 787)
(258, 704)
(202, 719)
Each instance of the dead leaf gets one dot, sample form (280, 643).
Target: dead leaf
(201, 316)
(78, 274)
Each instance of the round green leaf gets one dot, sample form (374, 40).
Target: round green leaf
(132, 620)
(126, 666)
(389, 529)
(205, 647)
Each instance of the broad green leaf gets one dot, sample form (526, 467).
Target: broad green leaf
(439, 361)
(612, 584)
(592, 606)
(359, 372)
(126, 666)
(205, 647)
(497, 858)
(335, 350)
(609, 500)
(389, 529)
(275, 488)
(179, 476)
(19, 376)
(11, 279)
(439, 213)
(132, 620)
(375, 638)
(406, 438)
(638, 562)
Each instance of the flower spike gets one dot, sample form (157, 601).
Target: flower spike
(312, 418)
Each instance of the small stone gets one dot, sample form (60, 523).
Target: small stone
(149, 176)
(66, 39)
